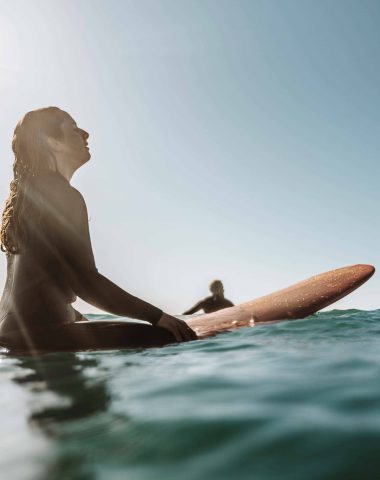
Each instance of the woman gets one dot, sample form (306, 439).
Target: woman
(45, 235)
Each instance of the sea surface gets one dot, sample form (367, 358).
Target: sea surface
(293, 400)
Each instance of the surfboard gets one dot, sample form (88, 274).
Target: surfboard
(297, 301)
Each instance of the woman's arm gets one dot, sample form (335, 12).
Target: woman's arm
(67, 222)
(66, 235)
(71, 237)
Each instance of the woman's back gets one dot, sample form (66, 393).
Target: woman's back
(38, 289)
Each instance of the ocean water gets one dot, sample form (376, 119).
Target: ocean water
(292, 400)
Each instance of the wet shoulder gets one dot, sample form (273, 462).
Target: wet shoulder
(55, 201)
(208, 302)
(55, 189)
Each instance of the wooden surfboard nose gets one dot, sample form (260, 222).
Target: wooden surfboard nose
(367, 271)
(308, 296)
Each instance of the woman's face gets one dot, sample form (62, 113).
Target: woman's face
(73, 143)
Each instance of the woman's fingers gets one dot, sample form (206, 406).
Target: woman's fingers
(180, 332)
(186, 332)
(191, 333)
(180, 329)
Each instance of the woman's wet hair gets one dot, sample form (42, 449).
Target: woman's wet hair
(32, 156)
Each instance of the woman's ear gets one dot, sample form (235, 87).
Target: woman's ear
(53, 143)
(53, 147)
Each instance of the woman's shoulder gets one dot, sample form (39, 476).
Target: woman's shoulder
(55, 185)
(54, 192)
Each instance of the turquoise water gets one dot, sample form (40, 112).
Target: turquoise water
(291, 400)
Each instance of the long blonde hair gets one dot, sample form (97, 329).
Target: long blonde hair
(31, 157)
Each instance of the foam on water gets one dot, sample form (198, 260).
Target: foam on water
(290, 400)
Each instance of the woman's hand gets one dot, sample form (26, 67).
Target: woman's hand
(180, 329)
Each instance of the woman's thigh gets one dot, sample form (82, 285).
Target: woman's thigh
(91, 335)
(120, 334)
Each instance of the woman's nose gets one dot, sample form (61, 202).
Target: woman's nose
(85, 134)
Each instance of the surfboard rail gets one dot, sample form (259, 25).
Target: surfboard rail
(294, 302)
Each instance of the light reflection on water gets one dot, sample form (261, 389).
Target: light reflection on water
(291, 400)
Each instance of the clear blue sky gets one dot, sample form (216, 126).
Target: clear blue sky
(231, 139)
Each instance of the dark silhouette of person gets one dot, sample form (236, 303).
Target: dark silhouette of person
(213, 303)
(50, 262)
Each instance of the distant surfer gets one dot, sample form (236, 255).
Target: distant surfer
(46, 238)
(213, 303)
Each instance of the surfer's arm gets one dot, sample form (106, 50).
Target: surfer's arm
(98, 290)
(198, 306)
(72, 237)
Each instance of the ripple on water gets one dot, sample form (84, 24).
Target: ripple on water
(290, 400)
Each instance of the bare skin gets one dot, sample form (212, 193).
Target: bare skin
(56, 264)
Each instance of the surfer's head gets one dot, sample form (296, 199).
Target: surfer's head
(46, 139)
(216, 288)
